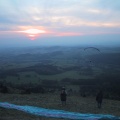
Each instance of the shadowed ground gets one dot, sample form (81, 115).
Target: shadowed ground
(52, 101)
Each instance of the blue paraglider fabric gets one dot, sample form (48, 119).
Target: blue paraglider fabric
(57, 113)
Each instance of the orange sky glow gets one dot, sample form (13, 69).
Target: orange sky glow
(33, 33)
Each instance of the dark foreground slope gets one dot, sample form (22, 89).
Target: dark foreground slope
(75, 103)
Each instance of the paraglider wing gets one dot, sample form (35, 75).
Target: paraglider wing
(92, 48)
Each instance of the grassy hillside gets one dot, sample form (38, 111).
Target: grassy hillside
(53, 67)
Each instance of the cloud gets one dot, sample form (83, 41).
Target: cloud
(73, 17)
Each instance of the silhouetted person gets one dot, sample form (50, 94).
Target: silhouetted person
(63, 96)
(99, 98)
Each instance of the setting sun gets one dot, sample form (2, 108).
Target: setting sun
(33, 33)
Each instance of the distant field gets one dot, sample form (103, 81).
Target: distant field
(32, 77)
(68, 74)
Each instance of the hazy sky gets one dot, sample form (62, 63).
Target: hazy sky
(59, 22)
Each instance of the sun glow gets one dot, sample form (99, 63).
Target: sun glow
(33, 33)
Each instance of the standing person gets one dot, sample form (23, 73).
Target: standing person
(99, 98)
(63, 96)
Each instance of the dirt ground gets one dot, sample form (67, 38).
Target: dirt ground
(75, 103)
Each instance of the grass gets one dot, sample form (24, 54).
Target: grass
(75, 103)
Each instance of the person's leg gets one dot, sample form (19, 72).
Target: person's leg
(65, 102)
(98, 105)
